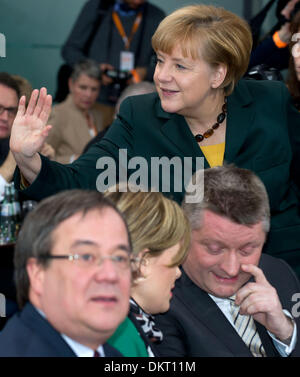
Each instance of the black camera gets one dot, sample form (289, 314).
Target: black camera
(120, 79)
(263, 72)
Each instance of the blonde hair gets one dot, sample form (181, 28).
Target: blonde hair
(211, 33)
(155, 223)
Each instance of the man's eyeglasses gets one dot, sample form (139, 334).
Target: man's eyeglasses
(88, 260)
(12, 111)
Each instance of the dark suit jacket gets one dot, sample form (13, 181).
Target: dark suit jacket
(268, 53)
(195, 326)
(4, 149)
(28, 334)
(262, 134)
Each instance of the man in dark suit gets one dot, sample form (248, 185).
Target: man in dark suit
(10, 92)
(230, 299)
(9, 96)
(99, 18)
(72, 268)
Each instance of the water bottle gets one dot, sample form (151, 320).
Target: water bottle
(7, 223)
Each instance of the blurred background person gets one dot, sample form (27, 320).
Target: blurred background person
(293, 78)
(280, 50)
(116, 34)
(273, 50)
(78, 118)
(9, 97)
(160, 236)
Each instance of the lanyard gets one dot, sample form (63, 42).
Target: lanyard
(121, 30)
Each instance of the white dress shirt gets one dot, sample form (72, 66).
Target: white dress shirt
(283, 349)
(80, 350)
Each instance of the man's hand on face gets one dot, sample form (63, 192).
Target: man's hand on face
(260, 300)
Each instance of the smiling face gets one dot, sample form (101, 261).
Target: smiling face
(185, 85)
(8, 99)
(85, 303)
(153, 290)
(217, 251)
(84, 91)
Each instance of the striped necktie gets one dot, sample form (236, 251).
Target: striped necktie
(245, 326)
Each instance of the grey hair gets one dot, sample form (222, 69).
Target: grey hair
(86, 67)
(143, 87)
(235, 193)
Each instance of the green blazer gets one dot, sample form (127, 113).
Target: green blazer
(262, 134)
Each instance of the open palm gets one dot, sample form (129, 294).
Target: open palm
(30, 128)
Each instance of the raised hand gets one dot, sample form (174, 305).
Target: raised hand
(30, 128)
(260, 300)
(29, 132)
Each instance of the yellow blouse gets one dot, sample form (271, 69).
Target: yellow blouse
(214, 154)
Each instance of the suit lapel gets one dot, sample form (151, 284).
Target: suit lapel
(266, 341)
(240, 117)
(210, 316)
(177, 131)
(39, 325)
(110, 351)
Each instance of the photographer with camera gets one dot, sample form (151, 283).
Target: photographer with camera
(116, 34)
(118, 80)
(293, 77)
(273, 51)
